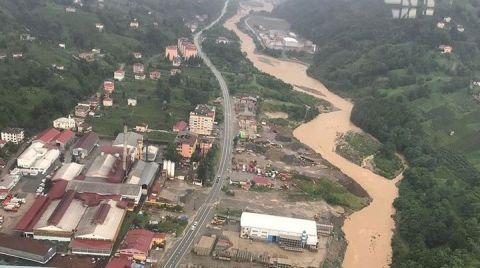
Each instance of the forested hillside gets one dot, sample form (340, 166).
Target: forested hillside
(418, 101)
(33, 92)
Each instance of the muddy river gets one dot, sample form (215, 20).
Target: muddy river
(368, 231)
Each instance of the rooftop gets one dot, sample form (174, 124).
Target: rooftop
(13, 130)
(138, 239)
(186, 137)
(132, 139)
(47, 135)
(283, 225)
(205, 110)
(30, 218)
(68, 171)
(143, 173)
(87, 141)
(65, 137)
(103, 188)
(26, 245)
(101, 222)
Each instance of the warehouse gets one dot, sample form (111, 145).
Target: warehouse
(37, 158)
(26, 248)
(85, 145)
(289, 233)
(68, 172)
(143, 173)
(126, 191)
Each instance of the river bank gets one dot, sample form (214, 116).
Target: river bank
(369, 231)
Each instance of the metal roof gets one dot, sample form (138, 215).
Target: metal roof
(132, 139)
(104, 188)
(143, 173)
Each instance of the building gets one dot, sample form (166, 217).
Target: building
(64, 139)
(2, 143)
(107, 101)
(202, 119)
(132, 139)
(126, 191)
(139, 76)
(143, 173)
(98, 229)
(108, 167)
(186, 143)
(290, 233)
(70, 10)
(99, 26)
(37, 158)
(180, 126)
(46, 136)
(205, 245)
(119, 75)
(7, 182)
(87, 56)
(222, 40)
(64, 123)
(108, 86)
(131, 102)
(27, 248)
(187, 48)
(137, 55)
(120, 262)
(138, 68)
(143, 127)
(171, 52)
(68, 171)
(205, 144)
(262, 181)
(13, 135)
(82, 111)
(134, 24)
(85, 145)
(155, 75)
(175, 71)
(440, 25)
(445, 49)
(138, 242)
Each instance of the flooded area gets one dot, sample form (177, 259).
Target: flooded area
(369, 231)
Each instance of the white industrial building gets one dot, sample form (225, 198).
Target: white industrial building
(37, 158)
(68, 171)
(290, 233)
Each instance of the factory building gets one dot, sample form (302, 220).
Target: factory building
(290, 233)
(68, 172)
(37, 158)
(143, 173)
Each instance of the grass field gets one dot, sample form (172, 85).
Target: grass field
(356, 146)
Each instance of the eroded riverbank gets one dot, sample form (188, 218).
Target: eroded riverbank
(369, 231)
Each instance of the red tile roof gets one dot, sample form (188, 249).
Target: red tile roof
(107, 149)
(119, 262)
(138, 239)
(92, 244)
(33, 214)
(180, 126)
(65, 137)
(61, 208)
(58, 189)
(262, 181)
(47, 135)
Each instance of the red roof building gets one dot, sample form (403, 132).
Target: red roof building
(262, 181)
(64, 138)
(85, 145)
(58, 189)
(96, 247)
(119, 262)
(138, 242)
(180, 126)
(155, 75)
(30, 218)
(47, 135)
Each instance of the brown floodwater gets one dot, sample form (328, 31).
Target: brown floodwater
(369, 231)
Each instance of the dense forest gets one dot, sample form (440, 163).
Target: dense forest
(416, 100)
(33, 92)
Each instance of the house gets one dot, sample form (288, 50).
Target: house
(143, 127)
(64, 123)
(107, 101)
(13, 135)
(186, 143)
(202, 119)
(138, 242)
(84, 127)
(262, 181)
(96, 51)
(447, 19)
(108, 86)
(27, 37)
(82, 110)
(85, 145)
(119, 75)
(87, 56)
(137, 55)
(441, 25)
(139, 76)
(138, 68)
(61, 45)
(134, 24)
(155, 74)
(3, 56)
(445, 49)
(175, 71)
(70, 10)
(171, 52)
(58, 67)
(460, 28)
(180, 126)
(177, 61)
(17, 55)
(99, 26)
(186, 48)
(205, 144)
(131, 102)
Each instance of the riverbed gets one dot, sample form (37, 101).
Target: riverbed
(370, 230)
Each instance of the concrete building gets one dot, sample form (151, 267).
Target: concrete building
(82, 111)
(108, 86)
(131, 102)
(155, 75)
(171, 52)
(37, 158)
(289, 233)
(64, 139)
(180, 126)
(68, 171)
(202, 119)
(85, 145)
(64, 123)
(138, 68)
(13, 135)
(186, 143)
(107, 168)
(187, 48)
(143, 173)
(99, 26)
(107, 101)
(119, 75)
(27, 248)
(142, 127)
(132, 139)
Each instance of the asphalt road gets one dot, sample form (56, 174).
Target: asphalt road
(182, 247)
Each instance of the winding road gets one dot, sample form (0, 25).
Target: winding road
(182, 247)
